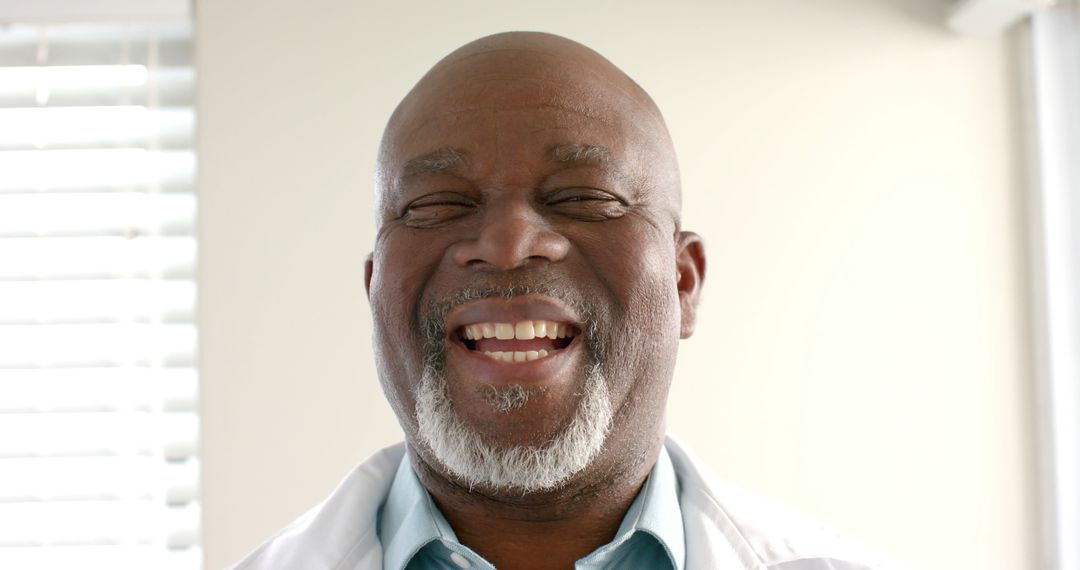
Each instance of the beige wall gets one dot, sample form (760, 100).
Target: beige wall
(853, 167)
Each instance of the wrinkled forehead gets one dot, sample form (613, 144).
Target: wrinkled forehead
(575, 91)
(508, 78)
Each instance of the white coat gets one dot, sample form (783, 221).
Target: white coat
(726, 528)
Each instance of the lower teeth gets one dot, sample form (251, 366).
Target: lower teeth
(518, 356)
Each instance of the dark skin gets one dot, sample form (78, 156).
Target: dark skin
(524, 157)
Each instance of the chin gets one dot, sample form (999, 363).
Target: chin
(540, 455)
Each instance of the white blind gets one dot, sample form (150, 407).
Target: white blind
(1052, 60)
(98, 386)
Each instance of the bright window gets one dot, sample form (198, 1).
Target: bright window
(98, 382)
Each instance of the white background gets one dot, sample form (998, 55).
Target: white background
(854, 168)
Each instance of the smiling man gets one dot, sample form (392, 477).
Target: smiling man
(529, 285)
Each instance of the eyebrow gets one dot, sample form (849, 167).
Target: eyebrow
(579, 153)
(447, 159)
(434, 162)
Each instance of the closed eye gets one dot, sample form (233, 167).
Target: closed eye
(436, 209)
(587, 204)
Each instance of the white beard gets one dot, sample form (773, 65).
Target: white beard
(521, 468)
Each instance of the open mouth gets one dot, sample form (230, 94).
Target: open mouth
(516, 342)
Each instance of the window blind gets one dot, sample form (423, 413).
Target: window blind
(98, 385)
(1052, 72)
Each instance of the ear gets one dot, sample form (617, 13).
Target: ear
(690, 275)
(369, 269)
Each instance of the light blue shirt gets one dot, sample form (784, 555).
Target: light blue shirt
(711, 524)
(416, 536)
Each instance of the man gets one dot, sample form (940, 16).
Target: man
(529, 285)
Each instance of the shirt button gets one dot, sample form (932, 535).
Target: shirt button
(460, 560)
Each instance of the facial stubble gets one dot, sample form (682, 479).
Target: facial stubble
(470, 458)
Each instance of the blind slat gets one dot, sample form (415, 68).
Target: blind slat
(120, 125)
(173, 435)
(98, 389)
(72, 76)
(113, 557)
(100, 478)
(101, 301)
(99, 213)
(95, 44)
(173, 88)
(30, 346)
(96, 257)
(28, 170)
(96, 522)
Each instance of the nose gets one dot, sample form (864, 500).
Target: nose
(512, 235)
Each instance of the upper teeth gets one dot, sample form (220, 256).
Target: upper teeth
(521, 330)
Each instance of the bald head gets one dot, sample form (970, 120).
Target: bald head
(515, 73)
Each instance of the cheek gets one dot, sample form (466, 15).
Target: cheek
(401, 270)
(640, 275)
(403, 264)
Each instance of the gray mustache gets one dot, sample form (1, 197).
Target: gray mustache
(431, 318)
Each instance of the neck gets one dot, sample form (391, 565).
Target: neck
(550, 529)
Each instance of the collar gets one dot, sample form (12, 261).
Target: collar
(410, 520)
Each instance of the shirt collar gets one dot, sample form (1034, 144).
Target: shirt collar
(655, 511)
(409, 520)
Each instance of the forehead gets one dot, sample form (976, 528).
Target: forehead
(502, 102)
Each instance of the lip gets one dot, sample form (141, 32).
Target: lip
(479, 368)
(510, 310)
